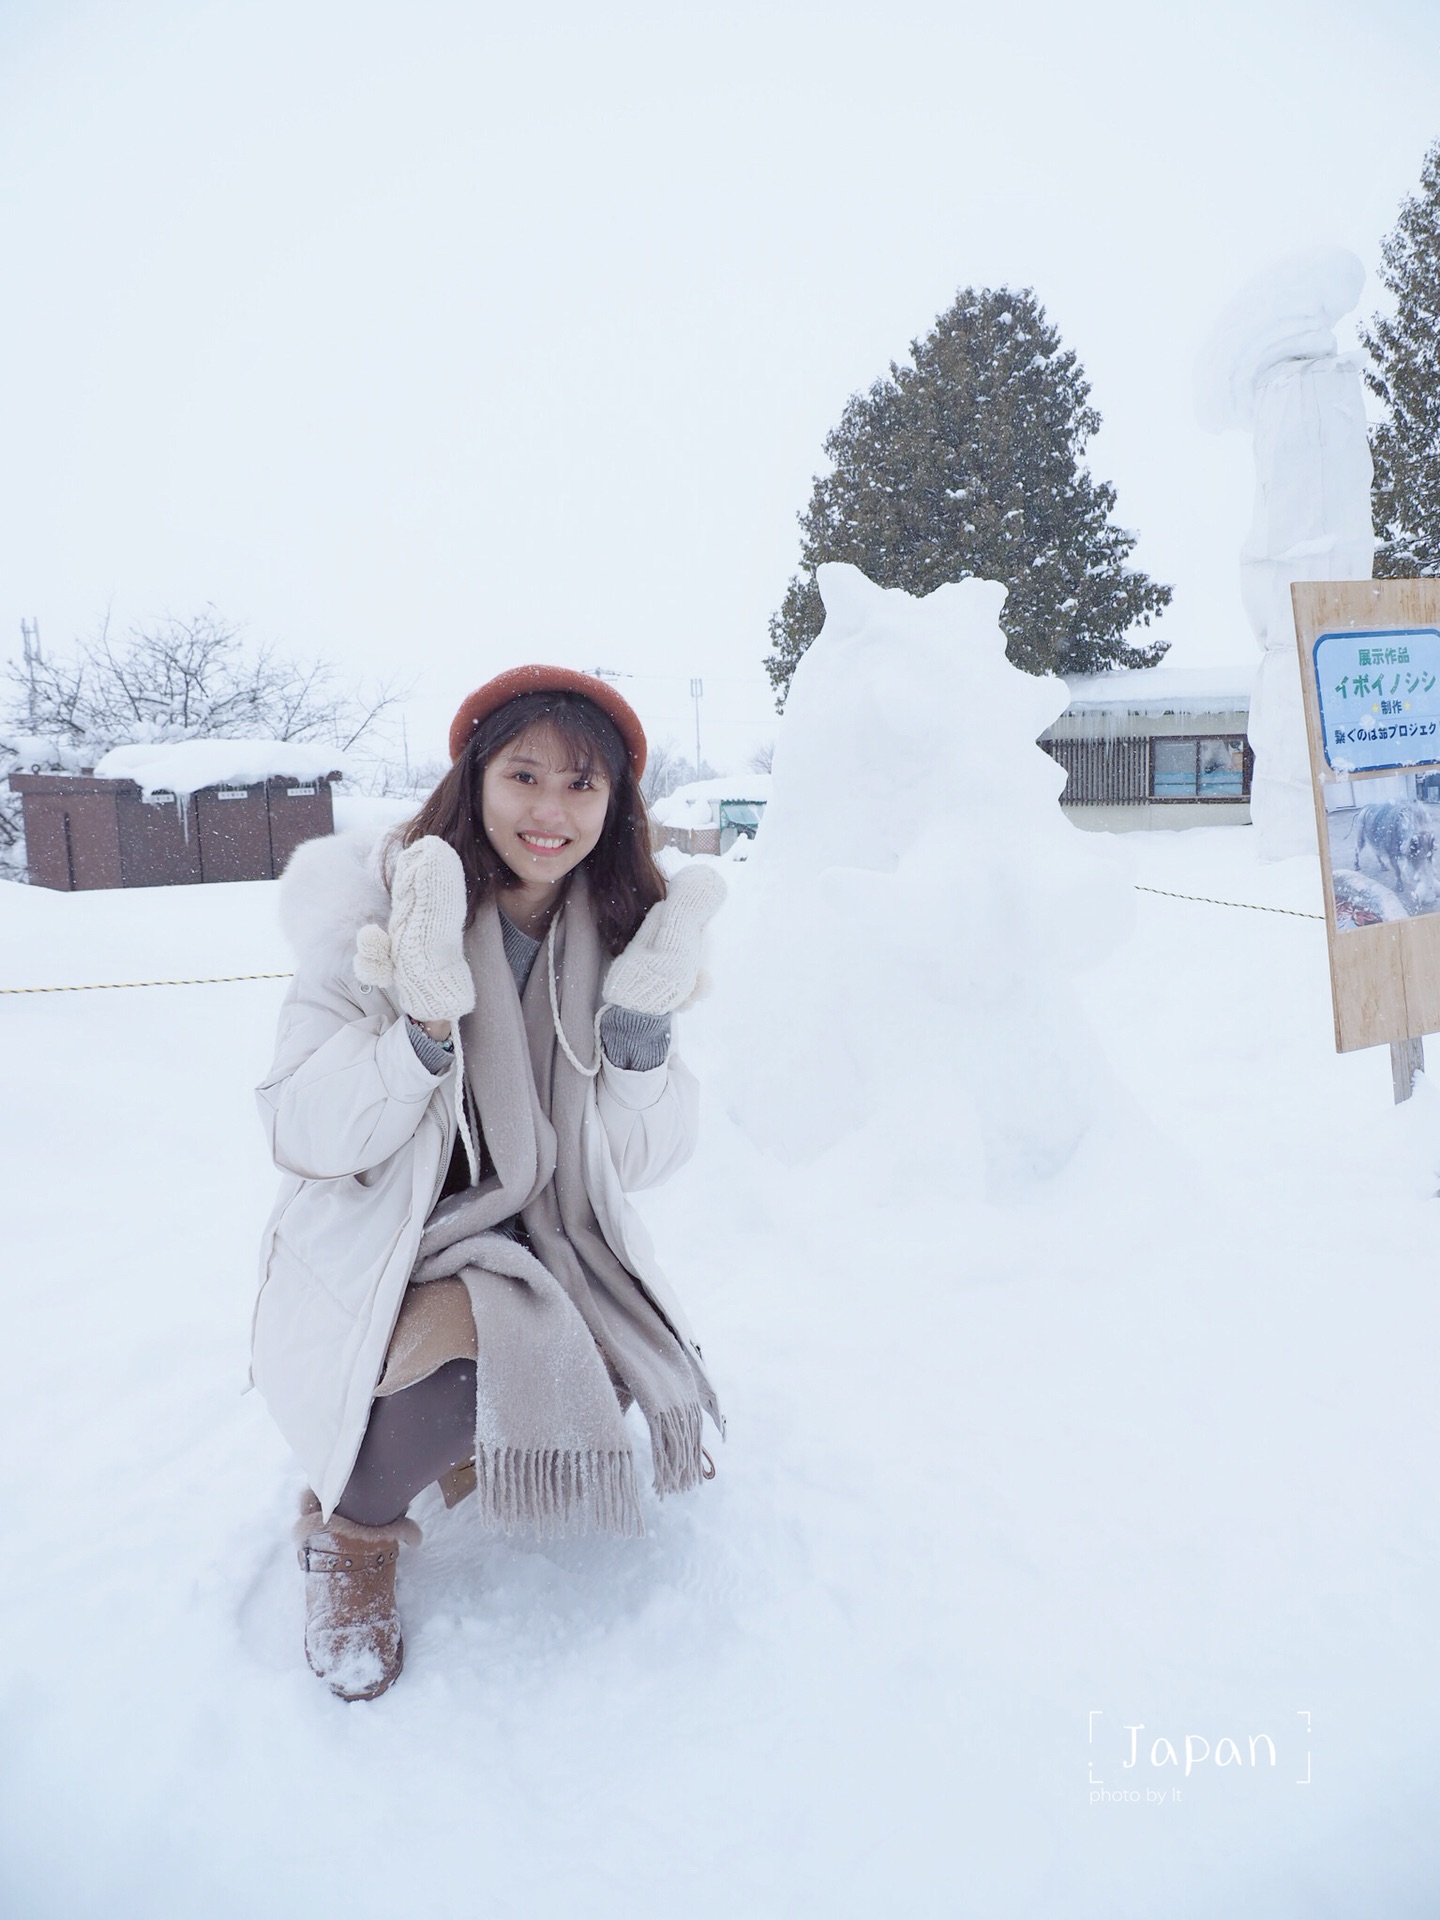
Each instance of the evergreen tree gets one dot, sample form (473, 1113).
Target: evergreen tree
(965, 464)
(1406, 379)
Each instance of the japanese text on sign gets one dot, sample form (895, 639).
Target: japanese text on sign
(1379, 698)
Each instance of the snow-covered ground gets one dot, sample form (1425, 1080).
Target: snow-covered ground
(1155, 1447)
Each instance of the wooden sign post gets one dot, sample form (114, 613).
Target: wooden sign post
(1370, 673)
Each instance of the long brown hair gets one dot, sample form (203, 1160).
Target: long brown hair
(624, 879)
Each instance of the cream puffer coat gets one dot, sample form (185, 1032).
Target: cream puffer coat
(363, 1134)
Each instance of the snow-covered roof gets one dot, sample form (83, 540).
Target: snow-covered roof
(185, 766)
(727, 786)
(1162, 690)
(696, 804)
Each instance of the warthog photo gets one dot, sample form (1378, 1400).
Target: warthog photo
(1399, 839)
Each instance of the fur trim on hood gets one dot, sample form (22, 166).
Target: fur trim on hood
(330, 889)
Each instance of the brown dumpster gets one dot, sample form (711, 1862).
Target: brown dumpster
(81, 832)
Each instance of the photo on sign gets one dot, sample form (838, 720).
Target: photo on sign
(1384, 837)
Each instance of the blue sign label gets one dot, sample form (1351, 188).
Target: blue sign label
(1379, 698)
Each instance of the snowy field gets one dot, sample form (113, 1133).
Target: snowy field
(1156, 1448)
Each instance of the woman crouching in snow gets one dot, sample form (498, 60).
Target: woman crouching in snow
(473, 1067)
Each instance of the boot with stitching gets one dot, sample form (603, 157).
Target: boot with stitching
(352, 1628)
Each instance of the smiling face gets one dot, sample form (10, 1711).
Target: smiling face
(541, 813)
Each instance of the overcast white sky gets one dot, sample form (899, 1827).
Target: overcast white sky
(438, 335)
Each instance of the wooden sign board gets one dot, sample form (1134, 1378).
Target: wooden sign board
(1370, 673)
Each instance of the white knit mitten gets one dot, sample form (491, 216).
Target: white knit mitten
(660, 969)
(421, 958)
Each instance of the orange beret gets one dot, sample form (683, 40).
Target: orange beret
(517, 680)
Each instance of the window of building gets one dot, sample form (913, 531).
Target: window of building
(1207, 768)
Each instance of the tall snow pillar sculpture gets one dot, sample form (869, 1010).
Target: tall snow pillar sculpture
(1273, 365)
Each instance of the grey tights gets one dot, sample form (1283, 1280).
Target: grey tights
(414, 1437)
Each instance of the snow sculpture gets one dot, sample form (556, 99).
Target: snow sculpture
(1273, 365)
(914, 907)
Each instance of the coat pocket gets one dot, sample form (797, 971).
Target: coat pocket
(344, 1233)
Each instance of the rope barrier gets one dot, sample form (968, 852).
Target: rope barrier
(1293, 913)
(108, 986)
(230, 979)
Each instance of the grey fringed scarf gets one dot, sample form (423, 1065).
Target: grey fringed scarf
(566, 1336)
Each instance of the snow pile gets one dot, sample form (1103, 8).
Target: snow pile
(185, 766)
(40, 753)
(676, 810)
(1273, 365)
(696, 803)
(919, 903)
(372, 810)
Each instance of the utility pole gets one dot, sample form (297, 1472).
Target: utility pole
(30, 652)
(697, 688)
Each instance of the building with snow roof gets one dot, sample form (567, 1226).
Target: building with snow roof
(179, 814)
(1155, 747)
(1148, 747)
(711, 816)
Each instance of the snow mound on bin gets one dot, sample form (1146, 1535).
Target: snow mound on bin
(187, 766)
(918, 905)
(693, 804)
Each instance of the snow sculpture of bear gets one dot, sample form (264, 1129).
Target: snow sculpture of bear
(917, 903)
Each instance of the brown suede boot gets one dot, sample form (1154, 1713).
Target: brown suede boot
(352, 1630)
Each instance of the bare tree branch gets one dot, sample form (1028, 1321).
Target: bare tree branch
(182, 679)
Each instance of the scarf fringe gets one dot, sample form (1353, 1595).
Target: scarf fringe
(551, 1490)
(675, 1443)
